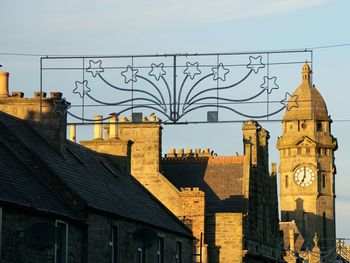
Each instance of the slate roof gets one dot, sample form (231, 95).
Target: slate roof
(19, 186)
(219, 177)
(96, 180)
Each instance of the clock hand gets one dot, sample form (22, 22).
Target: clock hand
(304, 177)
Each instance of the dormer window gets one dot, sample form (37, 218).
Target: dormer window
(319, 126)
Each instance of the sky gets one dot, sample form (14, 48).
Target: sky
(114, 27)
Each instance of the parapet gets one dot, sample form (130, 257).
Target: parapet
(197, 156)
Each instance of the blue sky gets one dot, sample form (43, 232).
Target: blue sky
(116, 27)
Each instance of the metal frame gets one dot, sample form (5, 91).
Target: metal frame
(174, 100)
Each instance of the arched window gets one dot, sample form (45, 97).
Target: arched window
(286, 181)
(323, 180)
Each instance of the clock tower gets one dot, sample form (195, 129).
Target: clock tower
(307, 170)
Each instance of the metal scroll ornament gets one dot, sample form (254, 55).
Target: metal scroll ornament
(190, 87)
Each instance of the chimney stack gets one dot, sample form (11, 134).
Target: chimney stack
(4, 81)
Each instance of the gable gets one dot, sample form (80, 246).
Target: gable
(305, 141)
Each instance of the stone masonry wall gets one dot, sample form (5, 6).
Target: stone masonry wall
(99, 249)
(192, 209)
(14, 249)
(224, 235)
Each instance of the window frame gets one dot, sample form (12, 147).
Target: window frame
(160, 250)
(114, 242)
(0, 230)
(57, 223)
(178, 252)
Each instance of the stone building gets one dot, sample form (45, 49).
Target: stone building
(62, 202)
(229, 202)
(307, 173)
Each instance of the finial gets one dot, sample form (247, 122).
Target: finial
(315, 240)
(306, 71)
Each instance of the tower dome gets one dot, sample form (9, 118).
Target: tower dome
(306, 102)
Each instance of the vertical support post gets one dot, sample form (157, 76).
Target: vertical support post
(83, 99)
(200, 248)
(132, 88)
(41, 90)
(268, 83)
(312, 66)
(174, 115)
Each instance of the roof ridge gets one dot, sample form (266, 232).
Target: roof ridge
(44, 172)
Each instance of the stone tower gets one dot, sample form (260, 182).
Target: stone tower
(307, 170)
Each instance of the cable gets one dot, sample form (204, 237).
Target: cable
(22, 54)
(331, 46)
(46, 55)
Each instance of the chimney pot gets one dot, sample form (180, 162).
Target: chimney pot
(72, 133)
(38, 94)
(17, 94)
(98, 130)
(181, 152)
(113, 128)
(153, 118)
(55, 95)
(124, 119)
(4, 81)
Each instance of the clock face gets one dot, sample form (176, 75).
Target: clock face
(304, 176)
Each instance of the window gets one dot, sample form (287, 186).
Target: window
(299, 151)
(307, 151)
(178, 252)
(141, 255)
(286, 181)
(114, 243)
(323, 180)
(0, 229)
(324, 230)
(160, 250)
(319, 126)
(61, 245)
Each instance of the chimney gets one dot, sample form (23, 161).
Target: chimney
(4, 81)
(98, 129)
(291, 239)
(72, 133)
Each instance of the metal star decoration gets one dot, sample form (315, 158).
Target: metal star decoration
(269, 84)
(220, 72)
(81, 88)
(290, 101)
(255, 63)
(61, 106)
(130, 74)
(157, 71)
(95, 68)
(192, 69)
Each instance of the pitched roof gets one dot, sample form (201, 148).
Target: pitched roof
(96, 180)
(219, 177)
(21, 187)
